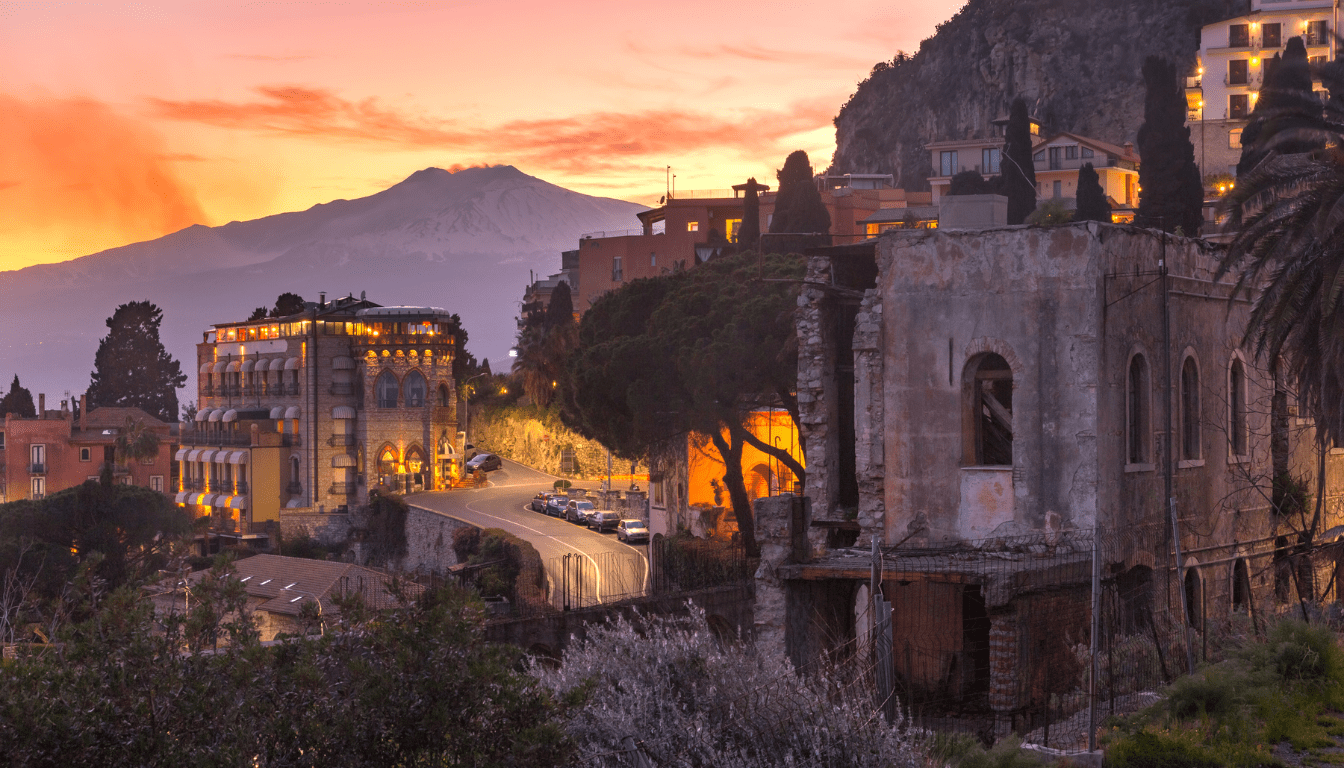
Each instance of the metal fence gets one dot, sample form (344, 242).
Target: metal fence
(1023, 634)
(673, 565)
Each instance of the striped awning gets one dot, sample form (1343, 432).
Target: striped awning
(220, 366)
(342, 460)
(230, 415)
(293, 503)
(342, 412)
(217, 414)
(203, 414)
(278, 412)
(292, 364)
(181, 498)
(234, 502)
(248, 366)
(207, 367)
(278, 364)
(204, 500)
(208, 456)
(233, 367)
(292, 412)
(181, 455)
(238, 457)
(194, 455)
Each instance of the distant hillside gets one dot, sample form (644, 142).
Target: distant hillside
(1077, 62)
(463, 241)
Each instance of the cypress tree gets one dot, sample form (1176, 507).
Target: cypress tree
(19, 401)
(560, 312)
(1286, 98)
(131, 367)
(798, 207)
(750, 234)
(1018, 171)
(1172, 192)
(1092, 203)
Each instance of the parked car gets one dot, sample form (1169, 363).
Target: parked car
(538, 503)
(555, 505)
(579, 510)
(486, 462)
(631, 531)
(604, 521)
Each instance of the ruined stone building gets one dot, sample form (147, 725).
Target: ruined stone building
(980, 403)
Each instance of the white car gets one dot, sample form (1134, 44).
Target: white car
(631, 531)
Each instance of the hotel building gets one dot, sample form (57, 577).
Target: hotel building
(1222, 91)
(308, 413)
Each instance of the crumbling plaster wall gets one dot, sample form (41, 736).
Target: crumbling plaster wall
(1027, 295)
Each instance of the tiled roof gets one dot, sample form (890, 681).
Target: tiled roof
(112, 416)
(286, 583)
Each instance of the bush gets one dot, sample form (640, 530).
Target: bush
(1149, 750)
(1051, 213)
(307, 547)
(1215, 692)
(1305, 652)
(466, 542)
(668, 687)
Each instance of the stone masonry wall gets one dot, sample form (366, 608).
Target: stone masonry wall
(868, 417)
(429, 542)
(535, 437)
(325, 529)
(816, 400)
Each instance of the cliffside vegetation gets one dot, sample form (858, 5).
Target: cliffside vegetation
(1077, 64)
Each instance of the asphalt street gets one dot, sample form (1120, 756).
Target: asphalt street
(600, 569)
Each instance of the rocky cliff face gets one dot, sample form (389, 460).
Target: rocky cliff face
(1076, 62)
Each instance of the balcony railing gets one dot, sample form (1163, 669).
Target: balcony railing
(336, 441)
(292, 389)
(290, 440)
(233, 390)
(193, 484)
(343, 389)
(37, 468)
(342, 489)
(216, 486)
(207, 391)
(216, 438)
(294, 488)
(240, 487)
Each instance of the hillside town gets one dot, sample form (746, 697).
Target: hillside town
(1009, 435)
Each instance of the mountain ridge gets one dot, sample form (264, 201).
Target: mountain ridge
(464, 240)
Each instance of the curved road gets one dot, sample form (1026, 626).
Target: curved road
(601, 569)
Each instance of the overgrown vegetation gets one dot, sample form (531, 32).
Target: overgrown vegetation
(419, 686)
(513, 566)
(668, 688)
(1287, 686)
(385, 528)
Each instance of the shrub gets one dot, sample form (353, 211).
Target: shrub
(1150, 750)
(1051, 213)
(1305, 652)
(670, 689)
(466, 542)
(1215, 692)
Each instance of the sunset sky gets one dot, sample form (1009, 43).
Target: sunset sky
(121, 123)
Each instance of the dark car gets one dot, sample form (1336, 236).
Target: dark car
(631, 531)
(579, 510)
(555, 505)
(604, 521)
(538, 503)
(486, 462)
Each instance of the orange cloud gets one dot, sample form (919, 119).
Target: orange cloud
(591, 142)
(78, 177)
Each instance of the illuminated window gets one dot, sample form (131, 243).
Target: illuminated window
(732, 227)
(1239, 36)
(1238, 106)
(1234, 138)
(38, 488)
(387, 462)
(692, 226)
(1238, 72)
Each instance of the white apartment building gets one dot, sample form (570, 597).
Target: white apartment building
(1230, 71)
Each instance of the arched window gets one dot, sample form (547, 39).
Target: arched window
(992, 411)
(1190, 423)
(1236, 417)
(1137, 410)
(1241, 586)
(294, 469)
(387, 462)
(386, 387)
(415, 389)
(443, 396)
(415, 460)
(1194, 596)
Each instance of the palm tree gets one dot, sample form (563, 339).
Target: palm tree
(135, 441)
(1287, 212)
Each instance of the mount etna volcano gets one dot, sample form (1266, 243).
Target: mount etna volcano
(464, 241)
